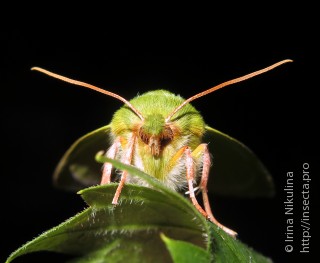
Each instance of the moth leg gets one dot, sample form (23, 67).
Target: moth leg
(190, 180)
(202, 149)
(107, 167)
(126, 160)
(189, 172)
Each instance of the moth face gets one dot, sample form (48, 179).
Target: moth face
(155, 133)
(156, 142)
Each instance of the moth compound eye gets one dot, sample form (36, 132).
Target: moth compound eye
(166, 137)
(144, 137)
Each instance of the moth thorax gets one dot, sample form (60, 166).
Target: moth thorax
(155, 133)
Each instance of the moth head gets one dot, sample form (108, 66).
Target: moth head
(155, 133)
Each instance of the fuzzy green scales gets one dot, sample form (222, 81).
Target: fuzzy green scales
(155, 106)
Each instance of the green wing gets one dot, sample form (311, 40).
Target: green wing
(78, 169)
(235, 171)
(235, 168)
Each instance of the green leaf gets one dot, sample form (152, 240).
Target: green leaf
(130, 232)
(184, 252)
(228, 249)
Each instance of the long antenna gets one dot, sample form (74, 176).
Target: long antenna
(227, 83)
(86, 85)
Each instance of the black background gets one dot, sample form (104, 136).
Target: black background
(274, 114)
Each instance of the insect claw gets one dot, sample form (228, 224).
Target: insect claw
(224, 228)
(115, 200)
(194, 190)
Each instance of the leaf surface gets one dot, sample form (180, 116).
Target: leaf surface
(132, 231)
(185, 252)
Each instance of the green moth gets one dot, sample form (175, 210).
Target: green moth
(166, 137)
